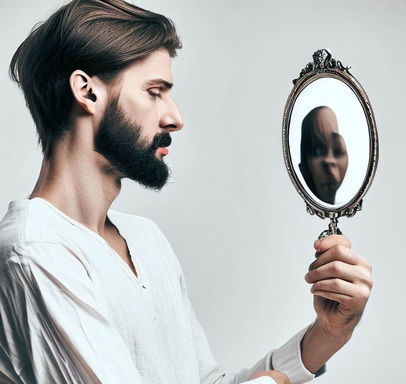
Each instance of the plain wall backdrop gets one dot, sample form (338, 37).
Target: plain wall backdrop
(233, 217)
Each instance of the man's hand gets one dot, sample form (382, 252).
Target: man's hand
(341, 287)
(279, 377)
(341, 284)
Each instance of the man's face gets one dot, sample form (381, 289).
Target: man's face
(134, 132)
(329, 160)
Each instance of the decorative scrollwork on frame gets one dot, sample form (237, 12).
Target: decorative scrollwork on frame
(307, 69)
(322, 61)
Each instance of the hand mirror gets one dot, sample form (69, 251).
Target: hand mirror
(330, 142)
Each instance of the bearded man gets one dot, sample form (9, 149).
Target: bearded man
(89, 295)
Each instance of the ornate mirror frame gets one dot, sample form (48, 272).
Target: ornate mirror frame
(325, 66)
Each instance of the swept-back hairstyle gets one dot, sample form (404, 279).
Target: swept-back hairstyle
(100, 37)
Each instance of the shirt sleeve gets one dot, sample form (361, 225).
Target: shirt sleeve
(55, 326)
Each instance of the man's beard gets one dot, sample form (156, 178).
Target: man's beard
(130, 155)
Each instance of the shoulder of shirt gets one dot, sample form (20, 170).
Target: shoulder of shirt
(19, 219)
(36, 222)
(30, 222)
(13, 223)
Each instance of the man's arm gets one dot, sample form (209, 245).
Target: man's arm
(341, 287)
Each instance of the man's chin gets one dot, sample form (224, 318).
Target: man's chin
(153, 187)
(152, 184)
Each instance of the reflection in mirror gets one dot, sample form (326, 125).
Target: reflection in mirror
(329, 138)
(323, 153)
(352, 126)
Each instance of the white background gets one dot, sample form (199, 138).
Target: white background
(233, 216)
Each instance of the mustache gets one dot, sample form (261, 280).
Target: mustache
(161, 140)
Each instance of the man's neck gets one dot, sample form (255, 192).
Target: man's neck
(73, 182)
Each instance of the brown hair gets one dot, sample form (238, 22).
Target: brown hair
(100, 37)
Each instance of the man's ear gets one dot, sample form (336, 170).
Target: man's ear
(83, 90)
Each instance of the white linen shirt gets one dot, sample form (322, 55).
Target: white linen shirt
(72, 311)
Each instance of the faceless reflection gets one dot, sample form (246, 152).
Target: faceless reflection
(323, 154)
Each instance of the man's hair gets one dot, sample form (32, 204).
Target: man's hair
(100, 37)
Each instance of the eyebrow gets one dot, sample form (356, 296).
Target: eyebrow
(161, 82)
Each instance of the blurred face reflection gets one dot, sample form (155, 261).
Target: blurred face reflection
(325, 159)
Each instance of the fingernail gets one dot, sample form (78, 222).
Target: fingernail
(306, 276)
(317, 245)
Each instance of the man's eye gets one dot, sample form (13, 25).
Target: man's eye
(154, 92)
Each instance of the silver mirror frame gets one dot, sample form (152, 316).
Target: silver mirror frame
(325, 66)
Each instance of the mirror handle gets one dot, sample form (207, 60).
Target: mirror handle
(332, 228)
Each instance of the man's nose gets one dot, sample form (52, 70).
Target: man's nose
(171, 118)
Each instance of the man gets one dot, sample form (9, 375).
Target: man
(93, 296)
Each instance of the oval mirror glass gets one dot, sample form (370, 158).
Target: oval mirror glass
(329, 138)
